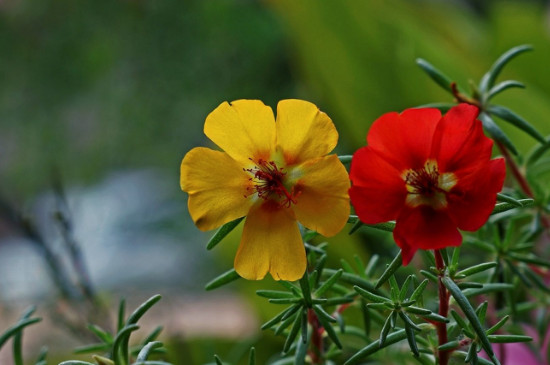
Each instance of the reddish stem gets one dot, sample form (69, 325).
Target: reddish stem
(461, 98)
(343, 307)
(515, 170)
(441, 327)
(522, 181)
(316, 352)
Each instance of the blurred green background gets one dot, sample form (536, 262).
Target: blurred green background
(94, 88)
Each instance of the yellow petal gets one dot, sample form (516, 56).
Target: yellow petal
(244, 129)
(271, 241)
(216, 185)
(322, 203)
(303, 131)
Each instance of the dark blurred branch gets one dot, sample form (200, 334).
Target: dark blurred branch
(27, 229)
(63, 218)
(67, 312)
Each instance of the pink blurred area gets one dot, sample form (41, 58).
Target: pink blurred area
(523, 353)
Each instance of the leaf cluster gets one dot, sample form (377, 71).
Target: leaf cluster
(390, 312)
(481, 95)
(15, 333)
(115, 348)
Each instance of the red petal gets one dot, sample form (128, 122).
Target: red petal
(378, 192)
(473, 198)
(404, 139)
(407, 253)
(459, 142)
(424, 228)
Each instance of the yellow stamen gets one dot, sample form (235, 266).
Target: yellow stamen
(426, 186)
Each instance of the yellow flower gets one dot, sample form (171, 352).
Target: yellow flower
(274, 172)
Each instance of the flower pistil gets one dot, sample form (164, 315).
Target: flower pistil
(268, 182)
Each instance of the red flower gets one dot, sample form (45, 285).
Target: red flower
(430, 174)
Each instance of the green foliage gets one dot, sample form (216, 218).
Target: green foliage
(399, 312)
(223, 279)
(15, 332)
(481, 96)
(116, 347)
(222, 232)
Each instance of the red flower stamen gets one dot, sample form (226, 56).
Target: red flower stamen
(268, 182)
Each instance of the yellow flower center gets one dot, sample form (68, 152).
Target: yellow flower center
(427, 186)
(268, 182)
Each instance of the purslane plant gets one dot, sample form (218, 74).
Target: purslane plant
(431, 175)
(114, 348)
(421, 176)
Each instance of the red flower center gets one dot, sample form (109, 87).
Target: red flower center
(268, 182)
(423, 181)
(426, 186)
